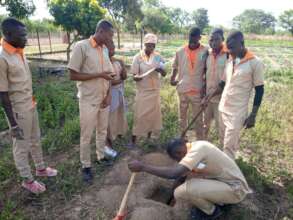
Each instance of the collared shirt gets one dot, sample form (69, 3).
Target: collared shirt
(87, 57)
(218, 165)
(215, 70)
(15, 77)
(141, 64)
(240, 80)
(190, 65)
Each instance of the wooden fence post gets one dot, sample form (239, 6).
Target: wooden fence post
(40, 51)
(49, 35)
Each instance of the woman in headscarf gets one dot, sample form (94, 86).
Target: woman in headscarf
(147, 67)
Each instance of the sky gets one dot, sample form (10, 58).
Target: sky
(221, 12)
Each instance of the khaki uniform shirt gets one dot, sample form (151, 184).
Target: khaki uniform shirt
(15, 77)
(240, 80)
(87, 57)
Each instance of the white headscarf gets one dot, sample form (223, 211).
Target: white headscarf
(150, 38)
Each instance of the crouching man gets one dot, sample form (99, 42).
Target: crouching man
(210, 178)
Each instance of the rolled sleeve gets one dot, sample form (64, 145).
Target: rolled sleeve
(3, 76)
(192, 158)
(76, 59)
(258, 74)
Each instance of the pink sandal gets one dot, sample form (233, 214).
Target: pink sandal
(34, 186)
(49, 172)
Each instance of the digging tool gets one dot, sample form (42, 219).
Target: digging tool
(122, 210)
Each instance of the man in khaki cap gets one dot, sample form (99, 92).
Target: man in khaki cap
(91, 67)
(215, 68)
(16, 96)
(206, 177)
(244, 71)
(189, 64)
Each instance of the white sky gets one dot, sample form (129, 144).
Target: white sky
(221, 12)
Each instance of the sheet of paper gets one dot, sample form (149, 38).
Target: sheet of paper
(147, 73)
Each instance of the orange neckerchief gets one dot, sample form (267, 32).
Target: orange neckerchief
(248, 56)
(99, 50)
(11, 49)
(192, 57)
(223, 50)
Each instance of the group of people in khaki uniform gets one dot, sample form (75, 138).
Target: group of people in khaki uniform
(218, 79)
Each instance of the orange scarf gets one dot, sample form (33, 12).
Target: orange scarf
(11, 49)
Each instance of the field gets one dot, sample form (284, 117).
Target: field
(266, 155)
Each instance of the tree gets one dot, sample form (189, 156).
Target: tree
(157, 22)
(286, 20)
(79, 17)
(44, 25)
(123, 11)
(19, 8)
(200, 18)
(179, 18)
(255, 21)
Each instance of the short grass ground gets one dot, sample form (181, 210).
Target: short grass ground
(267, 149)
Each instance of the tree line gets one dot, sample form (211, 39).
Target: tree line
(79, 17)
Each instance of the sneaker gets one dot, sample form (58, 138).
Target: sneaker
(87, 175)
(49, 172)
(109, 152)
(34, 186)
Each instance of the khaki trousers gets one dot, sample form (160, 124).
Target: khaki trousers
(212, 112)
(205, 193)
(184, 102)
(92, 117)
(28, 121)
(232, 126)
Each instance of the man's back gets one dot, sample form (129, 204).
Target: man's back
(217, 164)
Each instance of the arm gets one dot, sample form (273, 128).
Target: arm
(135, 69)
(116, 82)
(250, 121)
(164, 172)
(107, 100)
(173, 81)
(123, 71)
(216, 92)
(76, 76)
(161, 71)
(16, 131)
(6, 104)
(173, 77)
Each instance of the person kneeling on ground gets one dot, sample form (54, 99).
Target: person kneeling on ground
(208, 177)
